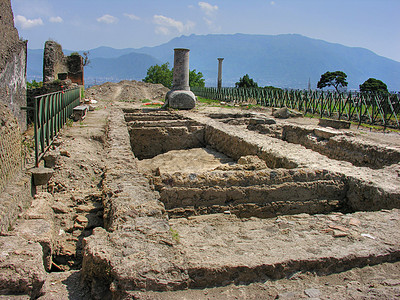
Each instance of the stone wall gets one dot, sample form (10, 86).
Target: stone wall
(57, 66)
(12, 65)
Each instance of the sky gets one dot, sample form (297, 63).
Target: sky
(87, 24)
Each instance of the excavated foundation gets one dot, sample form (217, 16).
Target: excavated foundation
(247, 186)
(193, 202)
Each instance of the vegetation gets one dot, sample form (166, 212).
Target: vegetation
(373, 85)
(336, 79)
(164, 75)
(34, 84)
(246, 82)
(196, 79)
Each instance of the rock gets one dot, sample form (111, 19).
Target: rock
(312, 293)
(256, 121)
(284, 113)
(50, 159)
(337, 124)
(65, 153)
(326, 133)
(41, 175)
(180, 99)
(40, 231)
(21, 267)
(40, 207)
(60, 208)
(81, 219)
(339, 233)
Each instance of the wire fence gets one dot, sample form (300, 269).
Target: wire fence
(51, 112)
(373, 109)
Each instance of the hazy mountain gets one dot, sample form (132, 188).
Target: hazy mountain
(287, 61)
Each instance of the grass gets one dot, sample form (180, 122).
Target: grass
(69, 122)
(174, 234)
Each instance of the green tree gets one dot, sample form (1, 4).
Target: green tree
(159, 74)
(162, 74)
(373, 85)
(196, 79)
(335, 79)
(34, 84)
(246, 82)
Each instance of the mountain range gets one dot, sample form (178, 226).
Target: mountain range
(286, 61)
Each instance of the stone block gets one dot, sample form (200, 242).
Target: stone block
(21, 267)
(256, 121)
(41, 175)
(326, 133)
(337, 124)
(181, 99)
(40, 231)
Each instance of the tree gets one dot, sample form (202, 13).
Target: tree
(196, 79)
(34, 84)
(162, 74)
(373, 85)
(159, 74)
(246, 82)
(334, 79)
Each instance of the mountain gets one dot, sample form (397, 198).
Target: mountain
(287, 60)
(128, 66)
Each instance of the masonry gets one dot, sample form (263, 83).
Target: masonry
(12, 65)
(13, 198)
(57, 66)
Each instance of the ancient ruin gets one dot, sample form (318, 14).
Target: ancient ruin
(57, 66)
(215, 202)
(180, 96)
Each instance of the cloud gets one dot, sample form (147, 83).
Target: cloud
(27, 23)
(166, 25)
(56, 19)
(131, 16)
(107, 19)
(272, 3)
(207, 8)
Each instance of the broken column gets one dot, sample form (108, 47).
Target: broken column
(180, 96)
(219, 84)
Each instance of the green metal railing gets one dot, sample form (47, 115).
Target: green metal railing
(51, 112)
(358, 107)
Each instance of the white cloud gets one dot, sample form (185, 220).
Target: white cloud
(56, 19)
(207, 8)
(27, 23)
(131, 16)
(107, 19)
(166, 25)
(272, 3)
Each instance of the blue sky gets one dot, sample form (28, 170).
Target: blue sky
(87, 24)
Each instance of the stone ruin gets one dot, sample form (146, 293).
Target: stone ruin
(150, 204)
(12, 65)
(180, 96)
(57, 66)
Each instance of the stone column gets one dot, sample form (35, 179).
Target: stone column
(180, 96)
(219, 85)
(181, 70)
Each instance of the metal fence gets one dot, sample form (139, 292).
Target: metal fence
(358, 107)
(51, 112)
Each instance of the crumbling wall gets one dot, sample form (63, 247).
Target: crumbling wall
(57, 66)
(12, 65)
(15, 186)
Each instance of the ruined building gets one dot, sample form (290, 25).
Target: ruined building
(12, 65)
(58, 66)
